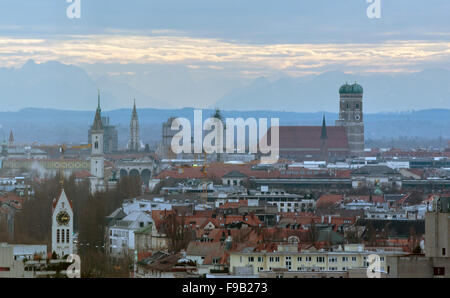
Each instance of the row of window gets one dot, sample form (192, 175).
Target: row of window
(307, 259)
(62, 236)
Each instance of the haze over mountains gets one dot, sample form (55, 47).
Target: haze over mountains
(60, 86)
(53, 102)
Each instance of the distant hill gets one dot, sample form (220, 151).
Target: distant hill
(382, 92)
(52, 126)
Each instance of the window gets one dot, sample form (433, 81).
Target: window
(299, 259)
(270, 259)
(344, 259)
(308, 259)
(67, 236)
(260, 259)
(382, 259)
(439, 271)
(251, 259)
(320, 259)
(353, 259)
(332, 259)
(288, 263)
(96, 145)
(277, 259)
(57, 236)
(62, 235)
(443, 251)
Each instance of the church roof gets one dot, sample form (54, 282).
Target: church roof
(351, 89)
(309, 137)
(55, 201)
(234, 174)
(98, 125)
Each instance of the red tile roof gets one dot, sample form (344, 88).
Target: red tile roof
(329, 200)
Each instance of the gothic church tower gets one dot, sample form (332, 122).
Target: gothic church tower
(97, 157)
(351, 116)
(134, 142)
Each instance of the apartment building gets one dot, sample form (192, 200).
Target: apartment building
(289, 258)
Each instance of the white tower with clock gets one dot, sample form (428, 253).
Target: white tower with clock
(62, 225)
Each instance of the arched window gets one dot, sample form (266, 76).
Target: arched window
(96, 145)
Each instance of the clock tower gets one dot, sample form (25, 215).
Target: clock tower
(62, 225)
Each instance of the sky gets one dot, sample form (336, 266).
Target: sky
(229, 42)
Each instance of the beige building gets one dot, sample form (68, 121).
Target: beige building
(287, 257)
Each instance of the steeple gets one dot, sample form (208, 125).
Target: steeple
(11, 138)
(324, 135)
(134, 142)
(98, 117)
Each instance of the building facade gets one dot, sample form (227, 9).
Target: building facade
(62, 225)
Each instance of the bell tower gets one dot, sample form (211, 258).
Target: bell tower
(351, 116)
(62, 225)
(97, 157)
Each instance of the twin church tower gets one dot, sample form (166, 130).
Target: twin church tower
(97, 147)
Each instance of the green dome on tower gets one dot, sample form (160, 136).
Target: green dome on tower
(351, 89)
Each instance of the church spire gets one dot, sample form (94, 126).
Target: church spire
(11, 138)
(324, 135)
(134, 142)
(98, 117)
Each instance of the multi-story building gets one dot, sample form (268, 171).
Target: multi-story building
(290, 258)
(121, 234)
(436, 260)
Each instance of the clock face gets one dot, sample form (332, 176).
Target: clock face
(63, 218)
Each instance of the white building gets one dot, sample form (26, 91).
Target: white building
(121, 233)
(97, 158)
